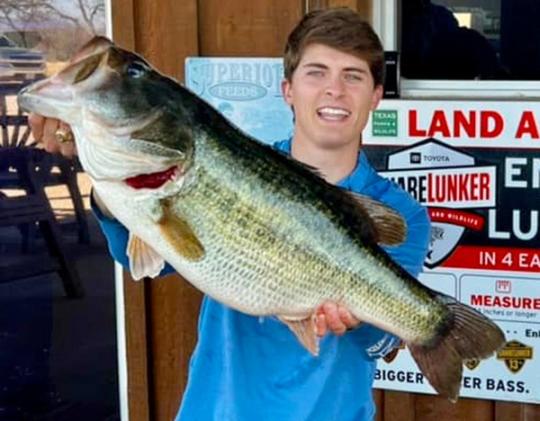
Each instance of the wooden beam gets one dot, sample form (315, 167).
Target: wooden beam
(166, 33)
(378, 398)
(174, 312)
(246, 28)
(398, 406)
(516, 411)
(137, 349)
(154, 29)
(363, 7)
(123, 33)
(437, 408)
(123, 29)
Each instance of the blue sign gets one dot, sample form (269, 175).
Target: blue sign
(246, 90)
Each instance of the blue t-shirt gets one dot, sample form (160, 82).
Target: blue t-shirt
(247, 368)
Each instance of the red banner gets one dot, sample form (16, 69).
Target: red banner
(495, 258)
(456, 217)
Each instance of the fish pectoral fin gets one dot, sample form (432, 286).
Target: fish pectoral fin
(390, 227)
(305, 331)
(180, 235)
(143, 260)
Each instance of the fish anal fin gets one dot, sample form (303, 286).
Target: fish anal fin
(143, 260)
(180, 236)
(390, 227)
(304, 329)
(467, 334)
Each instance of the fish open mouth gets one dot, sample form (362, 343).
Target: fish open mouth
(152, 180)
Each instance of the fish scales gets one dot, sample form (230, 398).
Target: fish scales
(289, 270)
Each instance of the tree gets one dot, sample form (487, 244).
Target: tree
(58, 23)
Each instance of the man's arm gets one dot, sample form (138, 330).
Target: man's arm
(116, 234)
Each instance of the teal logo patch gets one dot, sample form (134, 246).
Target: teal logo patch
(385, 123)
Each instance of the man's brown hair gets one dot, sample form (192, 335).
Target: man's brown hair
(339, 28)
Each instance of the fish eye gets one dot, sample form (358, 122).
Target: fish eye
(136, 69)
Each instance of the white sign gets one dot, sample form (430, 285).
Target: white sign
(476, 167)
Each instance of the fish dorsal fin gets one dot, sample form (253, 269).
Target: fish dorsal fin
(389, 226)
(304, 329)
(180, 235)
(143, 260)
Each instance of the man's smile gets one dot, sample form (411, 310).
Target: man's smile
(333, 113)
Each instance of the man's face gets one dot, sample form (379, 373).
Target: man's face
(332, 94)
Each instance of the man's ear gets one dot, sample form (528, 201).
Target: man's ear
(377, 96)
(286, 90)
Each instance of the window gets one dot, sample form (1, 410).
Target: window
(58, 357)
(478, 40)
(466, 48)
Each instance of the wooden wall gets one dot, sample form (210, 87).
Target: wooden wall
(162, 314)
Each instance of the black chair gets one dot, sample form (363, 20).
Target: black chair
(23, 166)
(32, 208)
(44, 162)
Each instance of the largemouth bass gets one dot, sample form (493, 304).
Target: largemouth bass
(245, 224)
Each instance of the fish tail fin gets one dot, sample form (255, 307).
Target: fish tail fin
(467, 334)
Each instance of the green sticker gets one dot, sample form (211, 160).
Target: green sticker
(384, 123)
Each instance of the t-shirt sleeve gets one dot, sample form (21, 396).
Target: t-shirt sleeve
(117, 238)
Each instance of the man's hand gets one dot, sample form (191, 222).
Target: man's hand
(44, 131)
(335, 318)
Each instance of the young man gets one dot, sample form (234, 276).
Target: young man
(245, 368)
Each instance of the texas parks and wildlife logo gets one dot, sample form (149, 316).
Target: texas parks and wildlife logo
(450, 184)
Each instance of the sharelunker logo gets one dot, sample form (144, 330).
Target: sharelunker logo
(450, 184)
(515, 354)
